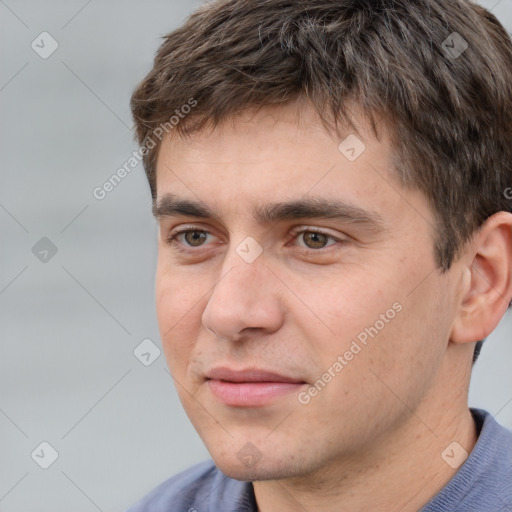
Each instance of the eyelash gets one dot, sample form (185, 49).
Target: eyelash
(171, 240)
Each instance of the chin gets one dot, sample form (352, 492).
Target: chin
(260, 471)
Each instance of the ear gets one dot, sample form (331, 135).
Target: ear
(487, 280)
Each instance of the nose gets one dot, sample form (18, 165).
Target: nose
(245, 300)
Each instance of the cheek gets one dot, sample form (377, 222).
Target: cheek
(352, 302)
(370, 322)
(177, 291)
(402, 359)
(177, 308)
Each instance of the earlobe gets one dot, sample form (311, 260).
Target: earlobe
(487, 281)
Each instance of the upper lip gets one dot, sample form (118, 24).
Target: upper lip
(250, 375)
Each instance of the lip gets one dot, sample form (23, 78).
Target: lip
(249, 375)
(250, 388)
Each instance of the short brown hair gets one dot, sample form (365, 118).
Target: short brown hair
(451, 115)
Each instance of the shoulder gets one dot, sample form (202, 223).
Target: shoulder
(496, 448)
(489, 466)
(484, 480)
(196, 489)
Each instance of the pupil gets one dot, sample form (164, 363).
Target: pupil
(196, 237)
(317, 238)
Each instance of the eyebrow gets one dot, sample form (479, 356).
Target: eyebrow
(170, 205)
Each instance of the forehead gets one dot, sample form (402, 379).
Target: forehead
(288, 136)
(275, 155)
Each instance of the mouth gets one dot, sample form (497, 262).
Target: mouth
(250, 388)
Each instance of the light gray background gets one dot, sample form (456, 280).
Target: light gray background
(68, 375)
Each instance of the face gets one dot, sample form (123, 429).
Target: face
(297, 294)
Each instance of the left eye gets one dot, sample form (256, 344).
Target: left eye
(315, 239)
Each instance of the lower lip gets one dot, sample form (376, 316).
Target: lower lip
(250, 394)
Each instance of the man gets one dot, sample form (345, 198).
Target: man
(331, 181)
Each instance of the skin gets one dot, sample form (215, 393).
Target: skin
(372, 438)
